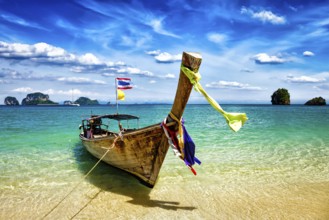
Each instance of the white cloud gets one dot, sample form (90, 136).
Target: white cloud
(18, 50)
(164, 57)
(293, 8)
(216, 38)
(322, 23)
(170, 76)
(138, 39)
(49, 55)
(89, 59)
(114, 64)
(129, 70)
(167, 76)
(152, 81)
(134, 71)
(318, 33)
(263, 58)
(108, 74)
(77, 69)
(168, 58)
(308, 54)
(12, 74)
(153, 52)
(304, 79)
(77, 92)
(80, 80)
(4, 81)
(67, 93)
(264, 16)
(20, 21)
(49, 91)
(157, 26)
(231, 85)
(48, 50)
(23, 89)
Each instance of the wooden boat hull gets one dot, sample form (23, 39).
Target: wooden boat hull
(140, 152)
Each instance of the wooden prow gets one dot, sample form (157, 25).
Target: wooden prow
(142, 151)
(184, 87)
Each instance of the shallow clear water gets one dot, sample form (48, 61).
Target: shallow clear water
(276, 166)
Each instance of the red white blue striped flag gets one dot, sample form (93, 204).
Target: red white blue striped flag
(124, 83)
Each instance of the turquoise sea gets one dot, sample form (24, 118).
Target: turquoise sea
(275, 167)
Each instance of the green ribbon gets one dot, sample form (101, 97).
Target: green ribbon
(234, 120)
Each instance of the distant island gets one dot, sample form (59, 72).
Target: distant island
(39, 98)
(281, 97)
(316, 101)
(9, 100)
(86, 101)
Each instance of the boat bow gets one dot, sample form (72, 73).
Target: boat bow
(140, 152)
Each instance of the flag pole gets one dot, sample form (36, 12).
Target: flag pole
(116, 94)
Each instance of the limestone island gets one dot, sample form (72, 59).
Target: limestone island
(9, 100)
(37, 98)
(281, 97)
(86, 101)
(316, 101)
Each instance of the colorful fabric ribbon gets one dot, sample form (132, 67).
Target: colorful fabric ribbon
(180, 140)
(234, 120)
(185, 143)
(189, 149)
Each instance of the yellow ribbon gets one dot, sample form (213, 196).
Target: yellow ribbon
(234, 120)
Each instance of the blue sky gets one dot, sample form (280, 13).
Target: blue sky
(249, 48)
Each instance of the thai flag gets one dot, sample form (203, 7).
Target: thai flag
(124, 83)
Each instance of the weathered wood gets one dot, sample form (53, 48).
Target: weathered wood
(184, 87)
(142, 152)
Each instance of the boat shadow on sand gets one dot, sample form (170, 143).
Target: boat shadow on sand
(111, 179)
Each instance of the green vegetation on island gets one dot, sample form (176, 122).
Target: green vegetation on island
(37, 98)
(316, 101)
(86, 101)
(281, 97)
(9, 100)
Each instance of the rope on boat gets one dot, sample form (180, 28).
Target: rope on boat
(84, 177)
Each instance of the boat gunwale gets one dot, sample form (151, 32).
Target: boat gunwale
(124, 133)
(117, 117)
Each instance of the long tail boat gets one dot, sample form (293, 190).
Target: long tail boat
(142, 151)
